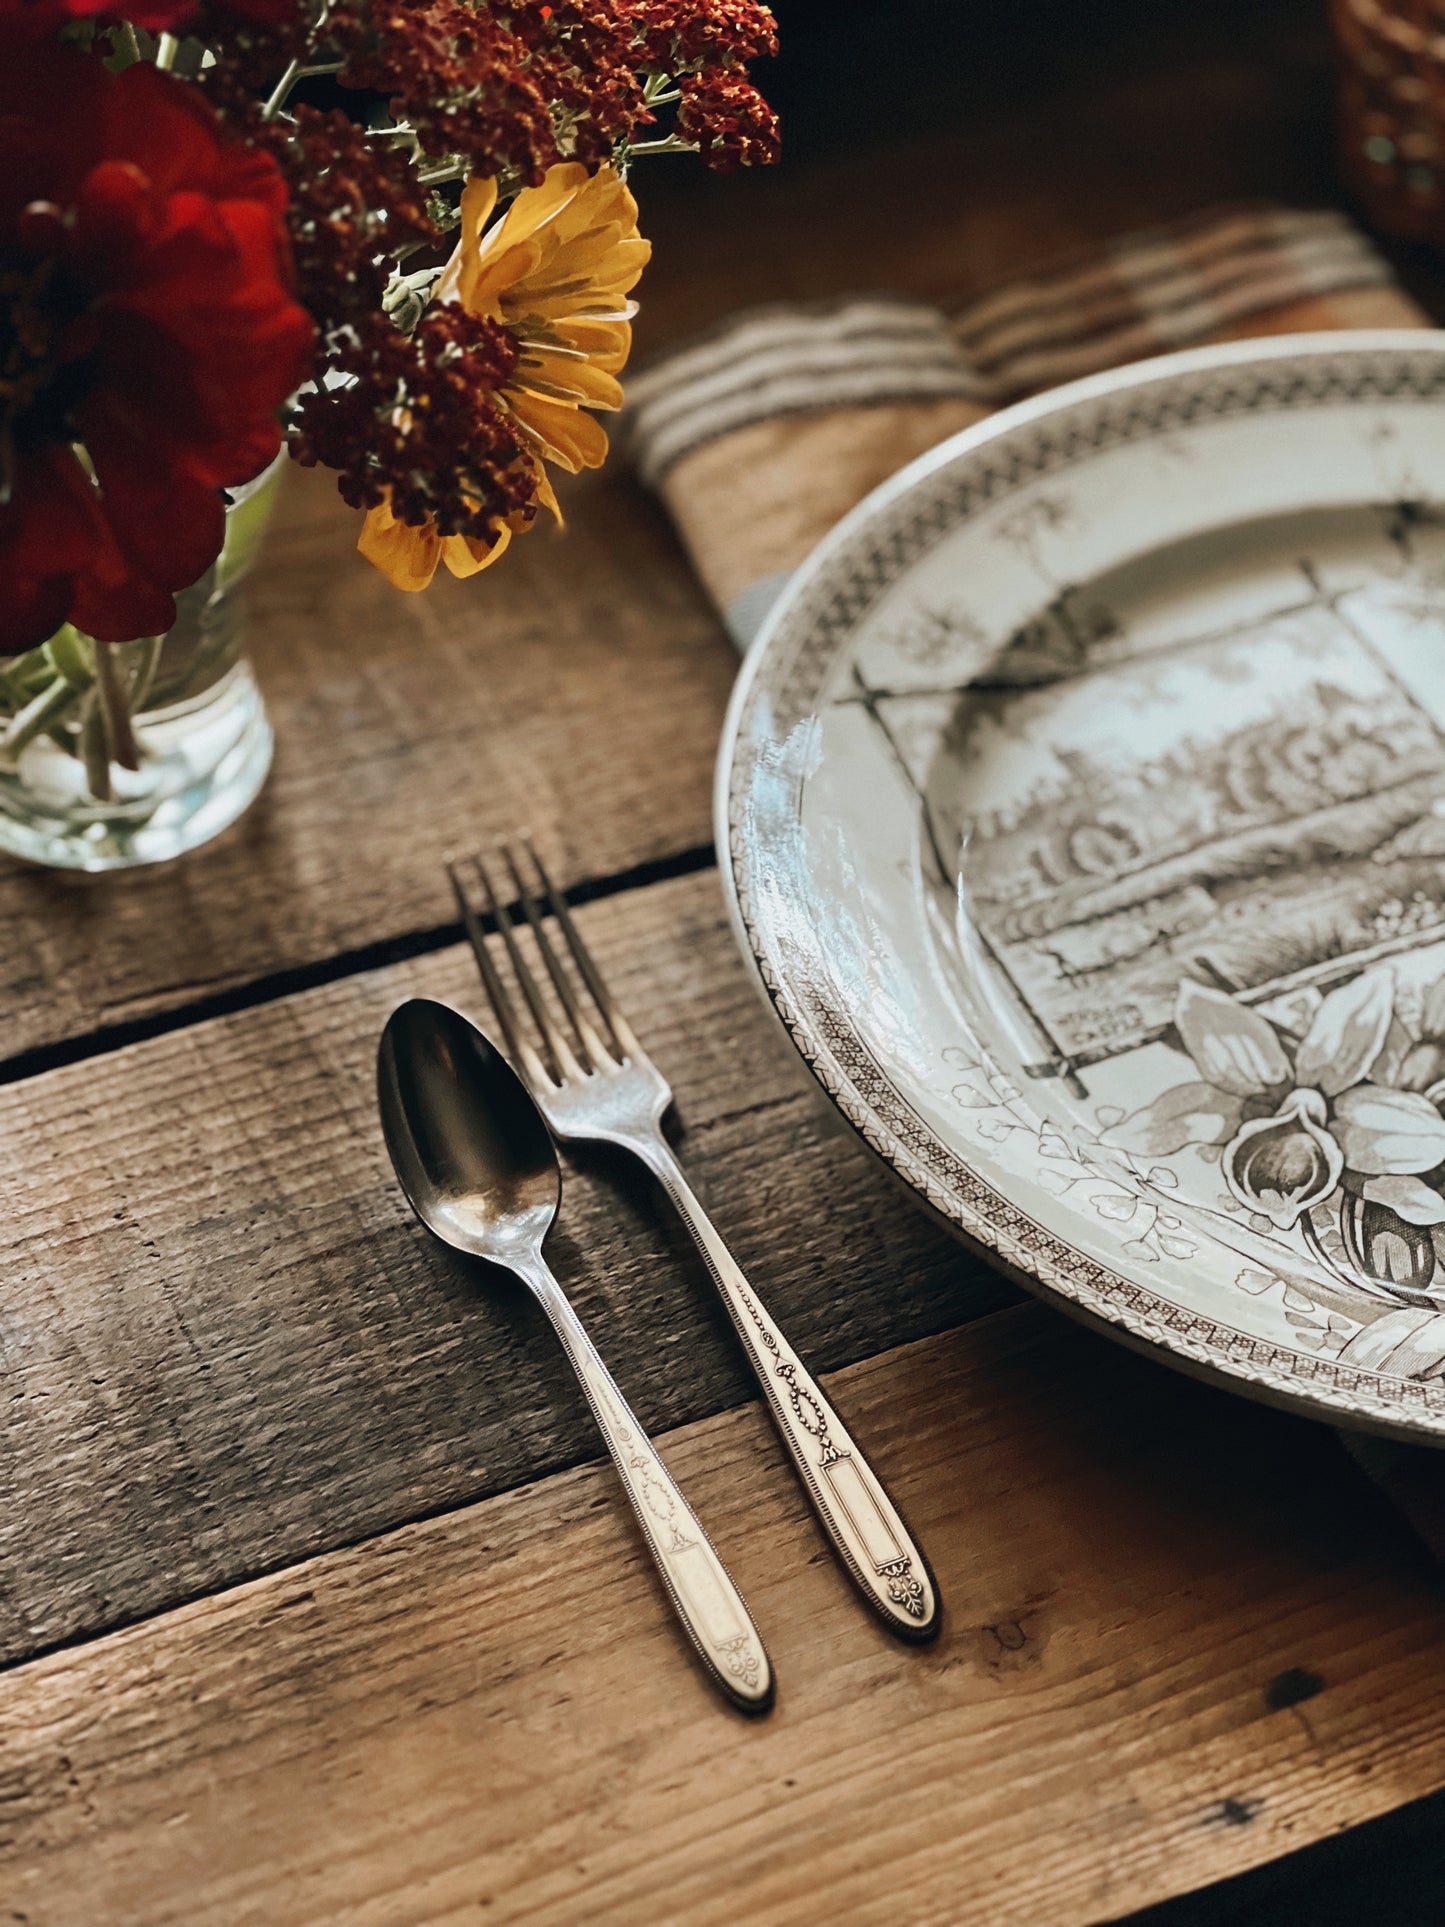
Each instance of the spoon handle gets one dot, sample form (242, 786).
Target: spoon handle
(707, 1602)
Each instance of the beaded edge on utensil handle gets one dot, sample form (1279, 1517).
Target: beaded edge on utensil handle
(866, 1528)
(712, 1610)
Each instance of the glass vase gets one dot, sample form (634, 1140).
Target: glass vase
(113, 754)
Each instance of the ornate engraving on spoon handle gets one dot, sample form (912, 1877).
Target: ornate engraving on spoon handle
(701, 1589)
(852, 1505)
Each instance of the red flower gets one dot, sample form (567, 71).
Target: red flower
(146, 313)
(37, 19)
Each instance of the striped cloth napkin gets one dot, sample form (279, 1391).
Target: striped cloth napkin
(760, 435)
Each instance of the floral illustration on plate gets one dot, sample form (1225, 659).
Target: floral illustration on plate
(1328, 1118)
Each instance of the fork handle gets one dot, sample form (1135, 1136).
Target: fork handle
(699, 1585)
(867, 1530)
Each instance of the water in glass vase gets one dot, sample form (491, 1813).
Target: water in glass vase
(113, 754)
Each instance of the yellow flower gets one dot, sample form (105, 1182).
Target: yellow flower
(555, 272)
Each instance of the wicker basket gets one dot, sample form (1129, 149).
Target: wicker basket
(1392, 104)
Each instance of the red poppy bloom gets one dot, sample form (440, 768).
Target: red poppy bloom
(146, 314)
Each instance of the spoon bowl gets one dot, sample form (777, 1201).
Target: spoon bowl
(478, 1166)
(469, 1146)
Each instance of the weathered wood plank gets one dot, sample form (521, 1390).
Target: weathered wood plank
(489, 1716)
(579, 693)
(225, 1345)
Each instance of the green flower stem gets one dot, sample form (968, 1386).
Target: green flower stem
(281, 92)
(71, 656)
(147, 657)
(25, 676)
(96, 748)
(671, 145)
(114, 708)
(39, 715)
(13, 693)
(124, 47)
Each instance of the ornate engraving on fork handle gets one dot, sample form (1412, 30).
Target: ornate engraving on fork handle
(890, 1560)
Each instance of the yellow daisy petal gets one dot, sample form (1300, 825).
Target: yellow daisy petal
(479, 197)
(492, 280)
(547, 495)
(567, 378)
(407, 555)
(535, 206)
(555, 271)
(570, 438)
(466, 556)
(606, 344)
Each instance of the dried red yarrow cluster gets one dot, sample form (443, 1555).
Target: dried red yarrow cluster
(453, 73)
(416, 420)
(511, 89)
(516, 87)
(590, 56)
(355, 207)
(727, 120)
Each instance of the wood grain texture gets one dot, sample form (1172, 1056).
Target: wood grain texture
(579, 694)
(490, 1717)
(225, 1344)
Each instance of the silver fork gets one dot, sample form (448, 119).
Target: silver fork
(598, 1085)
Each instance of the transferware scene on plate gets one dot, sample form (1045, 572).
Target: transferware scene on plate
(1172, 853)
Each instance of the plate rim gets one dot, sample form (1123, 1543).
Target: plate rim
(1374, 1411)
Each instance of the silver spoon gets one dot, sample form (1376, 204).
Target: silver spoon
(479, 1169)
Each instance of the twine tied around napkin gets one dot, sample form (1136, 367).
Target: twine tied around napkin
(761, 434)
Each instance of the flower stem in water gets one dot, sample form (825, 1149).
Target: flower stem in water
(38, 715)
(95, 748)
(115, 709)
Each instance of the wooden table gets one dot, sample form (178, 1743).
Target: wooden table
(315, 1603)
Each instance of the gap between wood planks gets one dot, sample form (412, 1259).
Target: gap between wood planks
(275, 984)
(590, 1456)
(245, 1351)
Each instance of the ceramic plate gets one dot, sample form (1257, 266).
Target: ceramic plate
(1085, 813)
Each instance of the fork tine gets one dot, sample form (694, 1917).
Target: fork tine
(522, 1053)
(587, 1036)
(622, 1032)
(564, 1060)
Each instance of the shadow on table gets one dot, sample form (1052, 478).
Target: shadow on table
(1388, 1873)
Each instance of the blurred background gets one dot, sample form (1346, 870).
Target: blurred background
(941, 148)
